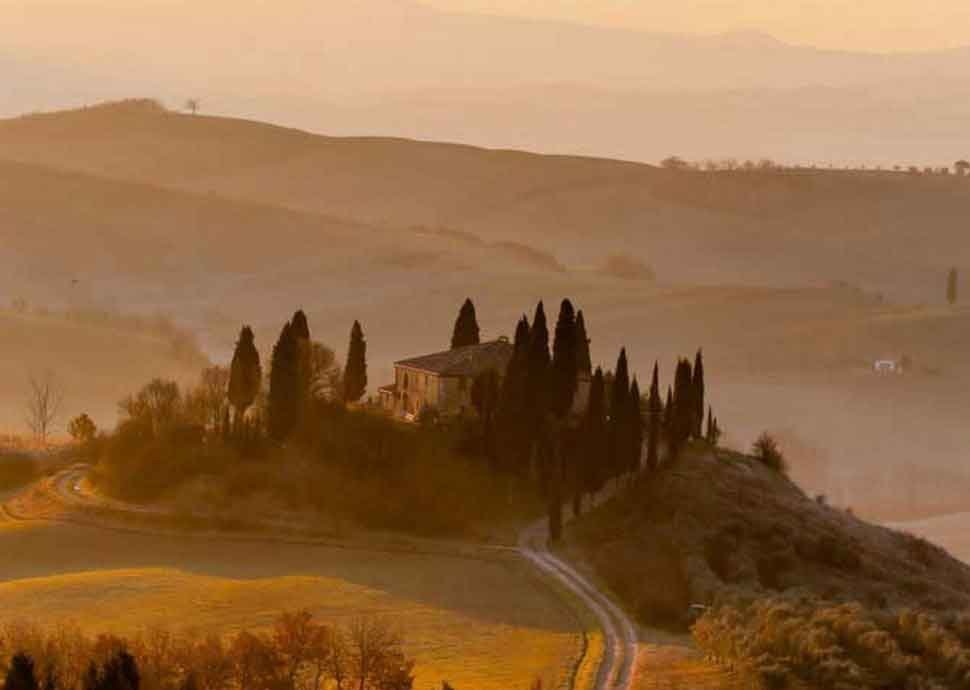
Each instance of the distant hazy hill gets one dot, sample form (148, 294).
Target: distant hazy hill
(892, 233)
(400, 68)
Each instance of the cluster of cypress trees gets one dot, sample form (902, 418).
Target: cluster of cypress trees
(533, 428)
(290, 377)
(683, 415)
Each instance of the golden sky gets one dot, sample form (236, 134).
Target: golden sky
(872, 25)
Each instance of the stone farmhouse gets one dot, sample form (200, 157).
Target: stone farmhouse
(443, 381)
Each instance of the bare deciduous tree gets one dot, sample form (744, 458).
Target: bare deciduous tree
(43, 405)
(192, 105)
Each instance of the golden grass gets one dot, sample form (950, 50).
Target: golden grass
(478, 623)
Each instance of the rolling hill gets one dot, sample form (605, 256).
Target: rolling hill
(793, 283)
(401, 68)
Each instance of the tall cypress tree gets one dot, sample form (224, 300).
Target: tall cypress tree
(300, 325)
(284, 386)
(684, 410)
(245, 375)
(635, 432)
(511, 421)
(355, 373)
(619, 424)
(697, 384)
(654, 420)
(538, 393)
(668, 423)
(466, 330)
(301, 332)
(583, 362)
(953, 286)
(594, 443)
(565, 362)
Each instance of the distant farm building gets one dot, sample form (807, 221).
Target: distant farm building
(887, 366)
(442, 381)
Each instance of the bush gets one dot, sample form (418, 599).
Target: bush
(16, 469)
(341, 464)
(767, 451)
(835, 646)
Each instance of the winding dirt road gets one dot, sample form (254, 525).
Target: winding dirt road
(617, 666)
(616, 670)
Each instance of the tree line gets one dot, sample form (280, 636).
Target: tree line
(533, 424)
(559, 428)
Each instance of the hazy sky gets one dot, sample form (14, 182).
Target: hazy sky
(875, 25)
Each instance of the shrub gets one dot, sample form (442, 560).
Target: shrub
(767, 451)
(16, 469)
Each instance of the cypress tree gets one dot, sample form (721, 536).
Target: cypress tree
(21, 675)
(355, 373)
(952, 286)
(283, 404)
(539, 360)
(565, 362)
(697, 384)
(583, 362)
(245, 375)
(684, 410)
(654, 421)
(668, 422)
(709, 436)
(466, 330)
(619, 420)
(511, 419)
(537, 392)
(300, 325)
(594, 442)
(636, 429)
(301, 332)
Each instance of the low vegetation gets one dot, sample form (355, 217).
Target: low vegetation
(299, 653)
(16, 469)
(341, 464)
(831, 645)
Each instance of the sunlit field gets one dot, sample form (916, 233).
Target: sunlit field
(478, 623)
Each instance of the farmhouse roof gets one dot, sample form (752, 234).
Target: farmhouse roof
(464, 361)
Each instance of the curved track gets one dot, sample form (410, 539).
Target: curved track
(616, 669)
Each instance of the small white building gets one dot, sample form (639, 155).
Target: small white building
(887, 366)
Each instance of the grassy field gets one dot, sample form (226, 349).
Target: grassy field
(477, 623)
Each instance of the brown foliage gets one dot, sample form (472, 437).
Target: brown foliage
(300, 653)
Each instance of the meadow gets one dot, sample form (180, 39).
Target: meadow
(479, 623)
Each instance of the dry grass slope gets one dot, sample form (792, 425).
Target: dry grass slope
(477, 623)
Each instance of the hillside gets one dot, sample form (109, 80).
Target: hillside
(793, 586)
(793, 284)
(768, 228)
(401, 68)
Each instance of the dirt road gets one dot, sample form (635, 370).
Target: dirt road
(617, 667)
(616, 671)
